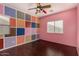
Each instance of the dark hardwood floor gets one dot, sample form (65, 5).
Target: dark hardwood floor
(40, 48)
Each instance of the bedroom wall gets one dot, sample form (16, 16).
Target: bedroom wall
(69, 37)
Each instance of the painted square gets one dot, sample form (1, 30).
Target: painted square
(1, 36)
(20, 39)
(4, 30)
(10, 41)
(33, 37)
(20, 15)
(37, 20)
(10, 11)
(37, 36)
(27, 17)
(38, 25)
(33, 31)
(28, 24)
(1, 43)
(12, 32)
(34, 19)
(28, 39)
(4, 20)
(27, 31)
(33, 25)
(20, 23)
(20, 31)
(1, 9)
(12, 22)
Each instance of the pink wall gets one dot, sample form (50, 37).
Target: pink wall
(78, 27)
(69, 37)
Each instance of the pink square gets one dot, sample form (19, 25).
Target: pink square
(27, 31)
(1, 9)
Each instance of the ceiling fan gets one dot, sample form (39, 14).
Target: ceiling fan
(39, 8)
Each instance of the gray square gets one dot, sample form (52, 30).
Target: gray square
(4, 30)
(20, 15)
(33, 37)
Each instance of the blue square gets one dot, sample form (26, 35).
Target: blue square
(10, 12)
(20, 31)
(33, 25)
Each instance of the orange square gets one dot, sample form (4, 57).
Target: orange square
(20, 39)
(12, 22)
(20, 23)
(34, 19)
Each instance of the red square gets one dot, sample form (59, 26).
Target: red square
(12, 22)
(28, 24)
(1, 43)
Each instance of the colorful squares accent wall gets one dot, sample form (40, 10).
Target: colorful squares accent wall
(16, 27)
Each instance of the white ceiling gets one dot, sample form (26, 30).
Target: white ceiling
(55, 7)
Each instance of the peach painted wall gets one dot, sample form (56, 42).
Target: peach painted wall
(69, 37)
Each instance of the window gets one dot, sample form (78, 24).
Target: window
(59, 26)
(50, 27)
(55, 26)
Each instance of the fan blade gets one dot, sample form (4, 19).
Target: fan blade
(44, 11)
(46, 6)
(32, 8)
